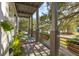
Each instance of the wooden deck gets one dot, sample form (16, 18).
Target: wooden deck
(35, 49)
(38, 49)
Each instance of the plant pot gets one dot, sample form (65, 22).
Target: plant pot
(44, 37)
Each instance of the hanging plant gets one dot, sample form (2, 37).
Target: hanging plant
(6, 25)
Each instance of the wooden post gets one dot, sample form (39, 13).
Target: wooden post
(31, 26)
(16, 20)
(17, 24)
(54, 41)
(29, 30)
(37, 25)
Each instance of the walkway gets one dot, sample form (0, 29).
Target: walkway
(38, 49)
(35, 49)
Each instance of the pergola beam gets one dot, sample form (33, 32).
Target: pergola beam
(37, 8)
(23, 16)
(24, 12)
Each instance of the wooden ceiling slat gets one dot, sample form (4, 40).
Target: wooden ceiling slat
(24, 12)
(24, 16)
(28, 4)
(27, 7)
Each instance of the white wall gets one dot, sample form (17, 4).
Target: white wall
(6, 37)
(7, 10)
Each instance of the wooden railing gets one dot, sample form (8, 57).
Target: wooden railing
(70, 46)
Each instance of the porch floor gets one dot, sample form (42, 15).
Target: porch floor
(38, 49)
(35, 49)
(32, 48)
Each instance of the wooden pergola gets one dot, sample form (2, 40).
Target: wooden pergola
(27, 9)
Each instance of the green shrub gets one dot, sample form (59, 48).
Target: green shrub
(20, 34)
(74, 41)
(16, 46)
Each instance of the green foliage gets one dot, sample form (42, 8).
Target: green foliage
(16, 46)
(61, 4)
(20, 34)
(23, 24)
(44, 17)
(68, 24)
(73, 26)
(74, 41)
(6, 25)
(67, 20)
(45, 33)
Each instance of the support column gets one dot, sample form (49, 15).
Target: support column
(54, 41)
(37, 25)
(17, 25)
(29, 30)
(31, 26)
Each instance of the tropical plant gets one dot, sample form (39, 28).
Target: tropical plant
(6, 25)
(16, 46)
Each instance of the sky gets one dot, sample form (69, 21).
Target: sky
(43, 9)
